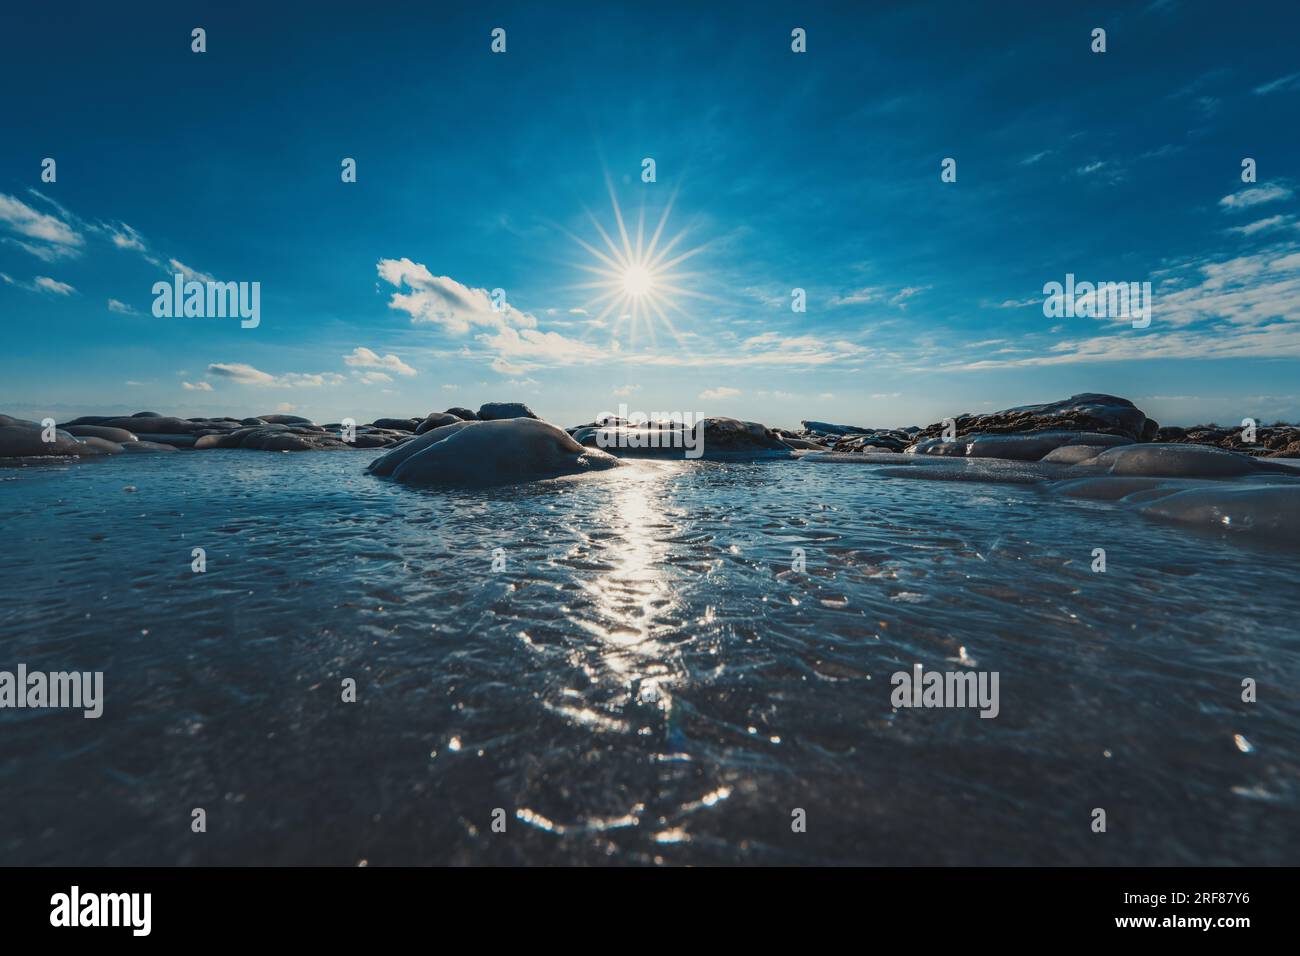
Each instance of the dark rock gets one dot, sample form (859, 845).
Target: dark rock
(436, 420)
(489, 453)
(286, 420)
(399, 424)
(464, 414)
(495, 411)
(100, 431)
(1090, 412)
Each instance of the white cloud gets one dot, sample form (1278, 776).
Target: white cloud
(362, 357)
(721, 391)
(906, 293)
(623, 391)
(39, 284)
(1283, 83)
(373, 378)
(1241, 307)
(46, 284)
(244, 374)
(855, 297)
(441, 300)
(191, 275)
(114, 305)
(1254, 196)
(248, 375)
(26, 221)
(124, 237)
(1261, 225)
(196, 386)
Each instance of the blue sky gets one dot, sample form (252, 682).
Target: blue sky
(478, 171)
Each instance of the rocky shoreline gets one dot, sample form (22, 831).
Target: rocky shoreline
(1088, 446)
(1026, 433)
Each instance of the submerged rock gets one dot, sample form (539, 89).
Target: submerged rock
(490, 453)
(145, 446)
(1176, 461)
(1271, 511)
(1033, 446)
(1073, 454)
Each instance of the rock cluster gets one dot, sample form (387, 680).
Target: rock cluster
(1271, 441)
(149, 431)
(1076, 431)
(716, 439)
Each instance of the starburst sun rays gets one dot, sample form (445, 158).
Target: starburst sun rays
(637, 280)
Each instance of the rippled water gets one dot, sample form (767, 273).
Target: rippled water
(646, 680)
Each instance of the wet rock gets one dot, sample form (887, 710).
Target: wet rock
(1073, 454)
(150, 423)
(1090, 412)
(1269, 441)
(802, 444)
(1032, 446)
(100, 431)
(1268, 511)
(267, 439)
(20, 438)
(98, 446)
(230, 440)
(490, 453)
(826, 428)
(1176, 461)
(716, 439)
(146, 446)
(180, 441)
(889, 440)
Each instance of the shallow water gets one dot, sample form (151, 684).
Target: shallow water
(646, 680)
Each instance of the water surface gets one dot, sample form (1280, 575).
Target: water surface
(646, 680)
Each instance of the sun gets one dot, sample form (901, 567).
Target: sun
(636, 278)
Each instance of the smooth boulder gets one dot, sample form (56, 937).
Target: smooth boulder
(493, 452)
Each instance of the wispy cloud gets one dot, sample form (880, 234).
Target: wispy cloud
(722, 391)
(1255, 196)
(1282, 84)
(362, 357)
(39, 284)
(1261, 225)
(45, 236)
(245, 374)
